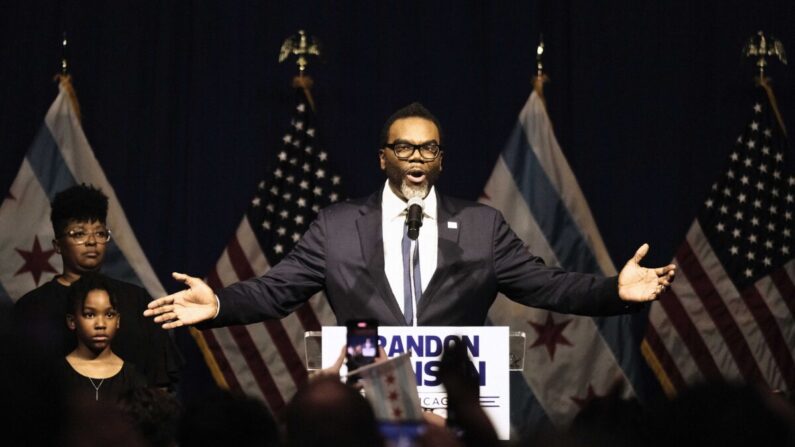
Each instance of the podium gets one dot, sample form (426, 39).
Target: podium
(493, 351)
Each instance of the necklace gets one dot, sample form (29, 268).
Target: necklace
(96, 387)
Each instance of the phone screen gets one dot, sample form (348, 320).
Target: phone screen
(362, 344)
(401, 434)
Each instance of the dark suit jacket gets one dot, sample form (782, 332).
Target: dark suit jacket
(342, 253)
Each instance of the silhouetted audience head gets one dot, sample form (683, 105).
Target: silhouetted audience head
(155, 414)
(610, 421)
(227, 419)
(328, 412)
(725, 415)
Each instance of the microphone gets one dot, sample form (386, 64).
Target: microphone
(414, 219)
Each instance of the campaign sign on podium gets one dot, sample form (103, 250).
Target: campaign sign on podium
(487, 347)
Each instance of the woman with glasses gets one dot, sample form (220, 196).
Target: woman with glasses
(82, 237)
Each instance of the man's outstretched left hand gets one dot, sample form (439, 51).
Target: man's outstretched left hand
(636, 283)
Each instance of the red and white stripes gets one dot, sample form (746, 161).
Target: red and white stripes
(262, 359)
(706, 329)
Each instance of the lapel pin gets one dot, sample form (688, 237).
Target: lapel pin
(452, 225)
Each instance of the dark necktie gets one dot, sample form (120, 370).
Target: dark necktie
(408, 303)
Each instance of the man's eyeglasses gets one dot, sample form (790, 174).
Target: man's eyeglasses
(79, 237)
(404, 151)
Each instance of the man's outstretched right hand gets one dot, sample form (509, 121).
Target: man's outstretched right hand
(193, 305)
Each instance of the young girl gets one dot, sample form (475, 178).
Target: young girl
(93, 371)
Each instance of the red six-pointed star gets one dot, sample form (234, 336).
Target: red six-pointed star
(36, 261)
(550, 334)
(589, 396)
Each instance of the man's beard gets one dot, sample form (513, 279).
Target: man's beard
(410, 190)
(398, 181)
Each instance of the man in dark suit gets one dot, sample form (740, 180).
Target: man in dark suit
(360, 253)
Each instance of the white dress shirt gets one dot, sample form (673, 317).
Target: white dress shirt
(393, 218)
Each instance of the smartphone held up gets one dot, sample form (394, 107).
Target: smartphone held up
(362, 345)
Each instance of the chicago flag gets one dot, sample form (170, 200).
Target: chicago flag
(568, 359)
(60, 157)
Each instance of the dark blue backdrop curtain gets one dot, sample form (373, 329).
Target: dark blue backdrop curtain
(184, 102)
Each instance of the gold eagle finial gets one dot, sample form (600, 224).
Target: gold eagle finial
(302, 46)
(762, 47)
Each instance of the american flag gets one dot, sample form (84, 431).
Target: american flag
(729, 314)
(266, 360)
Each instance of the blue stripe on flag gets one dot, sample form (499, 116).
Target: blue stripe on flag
(116, 266)
(546, 207)
(50, 169)
(526, 412)
(569, 246)
(48, 164)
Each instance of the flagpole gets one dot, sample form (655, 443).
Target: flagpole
(64, 63)
(305, 82)
(65, 79)
(540, 77)
(302, 46)
(763, 82)
(761, 47)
